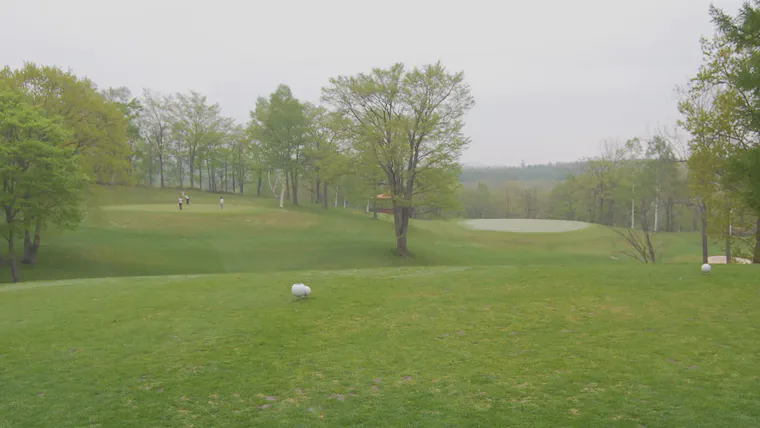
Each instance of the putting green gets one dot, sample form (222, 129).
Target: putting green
(525, 225)
(193, 208)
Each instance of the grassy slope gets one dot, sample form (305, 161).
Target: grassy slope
(137, 231)
(559, 335)
(614, 345)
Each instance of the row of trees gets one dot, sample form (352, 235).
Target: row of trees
(391, 130)
(394, 131)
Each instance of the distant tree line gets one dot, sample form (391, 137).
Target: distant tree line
(494, 175)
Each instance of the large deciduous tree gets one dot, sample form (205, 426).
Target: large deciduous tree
(408, 123)
(97, 129)
(40, 177)
(722, 108)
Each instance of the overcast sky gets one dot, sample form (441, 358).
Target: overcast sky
(552, 79)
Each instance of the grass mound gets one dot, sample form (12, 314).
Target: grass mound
(621, 345)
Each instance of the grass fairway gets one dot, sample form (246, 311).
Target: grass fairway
(137, 232)
(623, 345)
(147, 316)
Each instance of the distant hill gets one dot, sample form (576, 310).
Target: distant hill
(496, 174)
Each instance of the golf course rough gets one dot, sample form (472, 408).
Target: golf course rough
(525, 225)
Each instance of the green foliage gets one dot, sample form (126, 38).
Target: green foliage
(198, 131)
(281, 127)
(99, 128)
(743, 175)
(41, 179)
(721, 107)
(409, 125)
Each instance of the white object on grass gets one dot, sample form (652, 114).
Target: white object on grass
(300, 290)
(706, 268)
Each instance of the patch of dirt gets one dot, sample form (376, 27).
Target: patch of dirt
(721, 260)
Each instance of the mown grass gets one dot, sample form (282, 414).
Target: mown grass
(476, 329)
(607, 345)
(135, 232)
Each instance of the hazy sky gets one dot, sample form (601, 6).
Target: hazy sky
(551, 78)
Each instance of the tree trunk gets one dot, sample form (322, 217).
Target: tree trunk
(192, 172)
(318, 196)
(161, 168)
(336, 198)
(11, 250)
(258, 185)
(27, 245)
(728, 248)
(657, 213)
(287, 184)
(669, 226)
(151, 160)
(226, 177)
(611, 215)
(294, 182)
(756, 258)
(325, 195)
(210, 176)
(32, 247)
(703, 215)
(283, 188)
(645, 228)
(401, 225)
(181, 175)
(633, 215)
(234, 186)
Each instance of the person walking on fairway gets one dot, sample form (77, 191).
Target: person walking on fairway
(180, 203)
(221, 202)
(187, 198)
